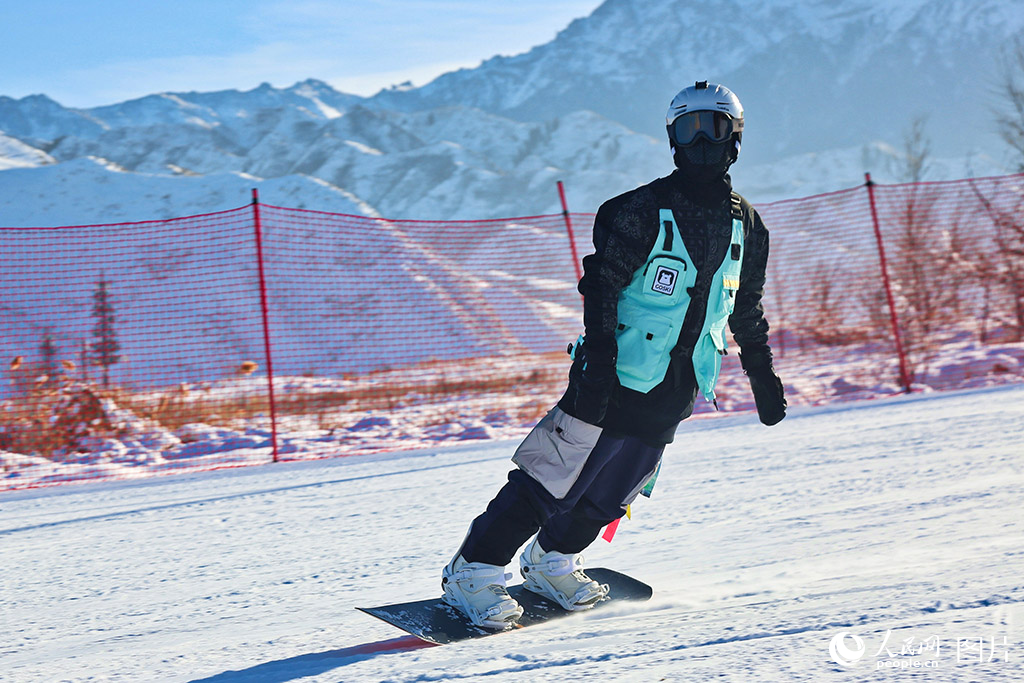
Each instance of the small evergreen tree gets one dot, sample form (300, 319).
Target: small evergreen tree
(105, 347)
(917, 149)
(48, 351)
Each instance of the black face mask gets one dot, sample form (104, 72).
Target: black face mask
(703, 161)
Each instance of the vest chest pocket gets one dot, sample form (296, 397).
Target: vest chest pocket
(644, 339)
(730, 288)
(721, 307)
(666, 281)
(731, 269)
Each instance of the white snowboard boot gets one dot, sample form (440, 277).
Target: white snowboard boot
(560, 577)
(479, 590)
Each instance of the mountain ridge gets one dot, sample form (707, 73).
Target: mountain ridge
(586, 108)
(911, 43)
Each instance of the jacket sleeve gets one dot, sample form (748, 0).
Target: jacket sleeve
(747, 322)
(620, 248)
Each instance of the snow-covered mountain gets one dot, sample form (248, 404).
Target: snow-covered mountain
(443, 163)
(829, 89)
(16, 154)
(812, 75)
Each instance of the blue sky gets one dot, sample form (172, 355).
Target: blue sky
(85, 54)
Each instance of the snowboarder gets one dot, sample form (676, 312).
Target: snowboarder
(675, 260)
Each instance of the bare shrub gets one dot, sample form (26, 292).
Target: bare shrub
(50, 417)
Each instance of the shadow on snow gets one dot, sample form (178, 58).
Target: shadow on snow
(293, 668)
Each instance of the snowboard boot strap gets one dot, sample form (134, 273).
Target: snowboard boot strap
(538, 577)
(559, 565)
(479, 590)
(476, 577)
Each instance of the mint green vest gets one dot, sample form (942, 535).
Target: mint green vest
(654, 304)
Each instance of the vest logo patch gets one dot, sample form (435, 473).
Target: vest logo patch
(665, 280)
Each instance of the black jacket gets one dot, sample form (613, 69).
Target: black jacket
(624, 232)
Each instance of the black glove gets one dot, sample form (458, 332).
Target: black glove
(769, 396)
(595, 382)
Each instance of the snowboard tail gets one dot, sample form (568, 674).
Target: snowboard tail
(437, 622)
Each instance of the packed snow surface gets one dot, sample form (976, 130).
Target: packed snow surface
(895, 521)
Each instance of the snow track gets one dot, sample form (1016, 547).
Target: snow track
(886, 520)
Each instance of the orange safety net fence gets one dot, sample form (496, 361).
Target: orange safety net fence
(267, 333)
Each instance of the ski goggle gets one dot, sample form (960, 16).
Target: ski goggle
(716, 126)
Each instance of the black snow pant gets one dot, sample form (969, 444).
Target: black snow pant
(616, 469)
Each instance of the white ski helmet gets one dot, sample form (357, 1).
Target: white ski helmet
(705, 110)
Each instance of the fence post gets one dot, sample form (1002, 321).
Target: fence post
(904, 375)
(266, 320)
(568, 228)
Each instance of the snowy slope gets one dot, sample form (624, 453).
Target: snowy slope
(16, 154)
(93, 190)
(889, 520)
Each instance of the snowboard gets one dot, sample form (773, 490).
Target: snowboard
(437, 622)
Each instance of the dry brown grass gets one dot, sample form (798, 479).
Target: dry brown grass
(51, 417)
(172, 412)
(393, 395)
